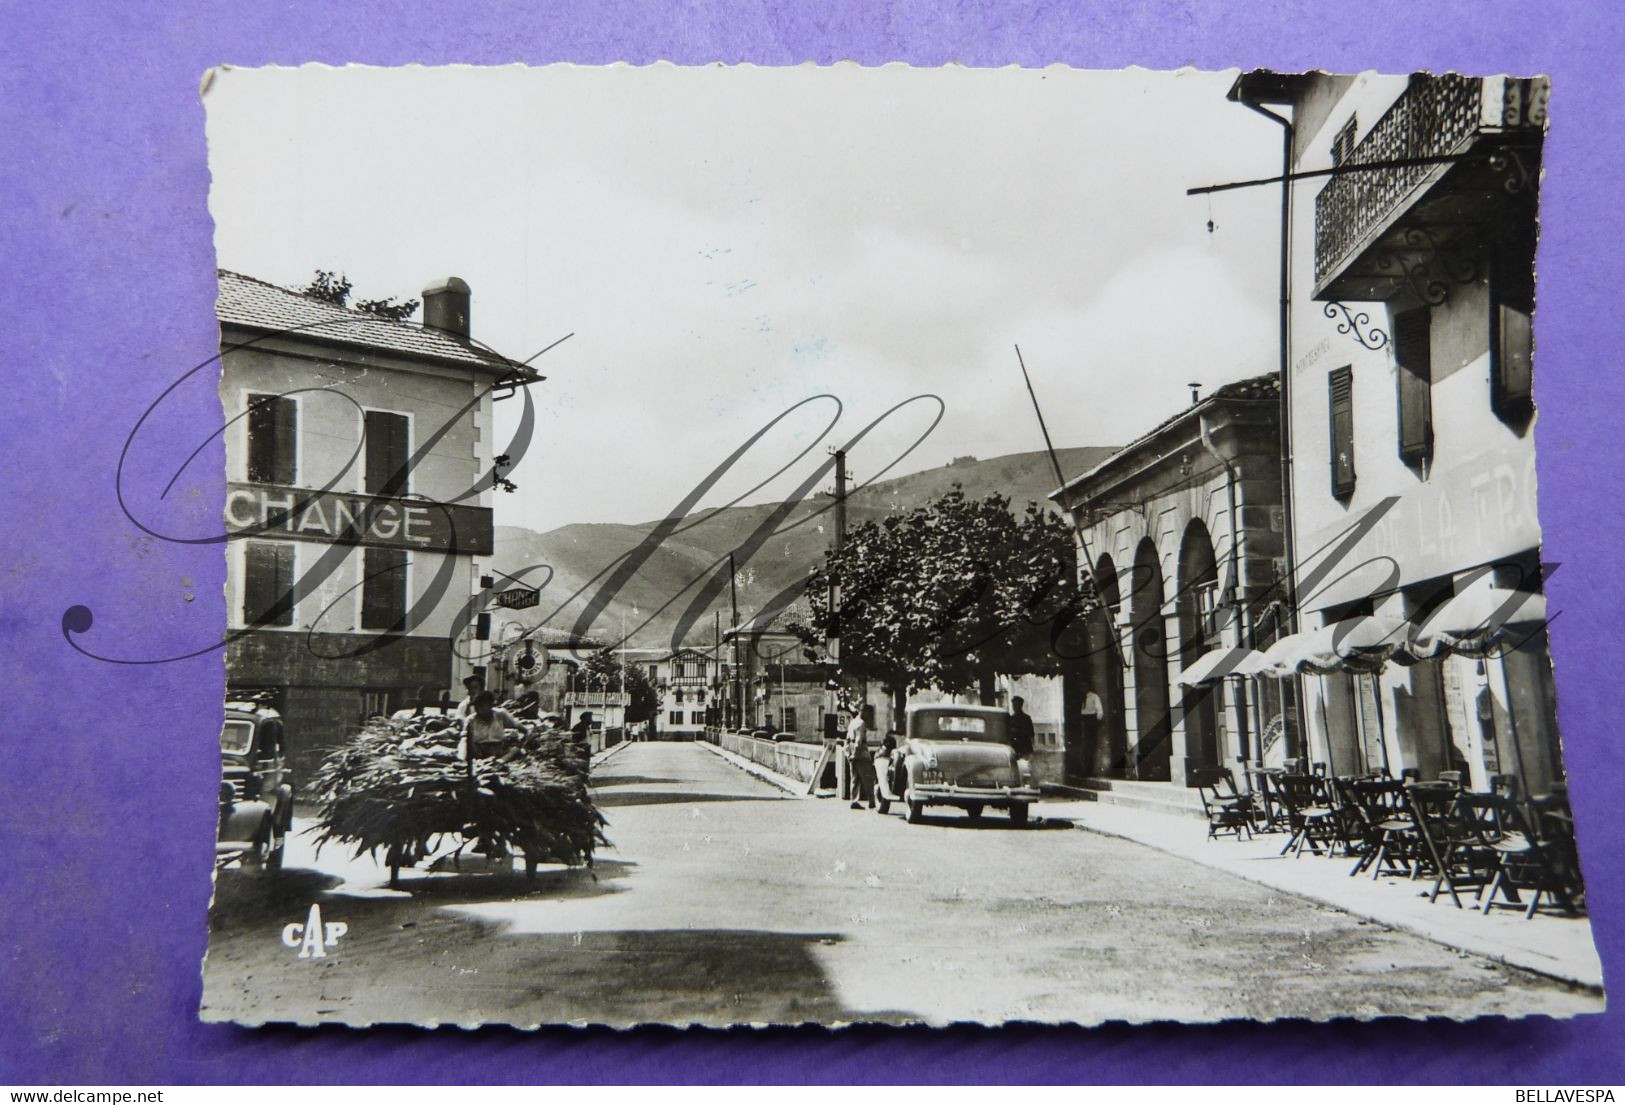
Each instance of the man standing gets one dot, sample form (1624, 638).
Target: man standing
(581, 731)
(860, 764)
(1021, 728)
(488, 725)
(474, 685)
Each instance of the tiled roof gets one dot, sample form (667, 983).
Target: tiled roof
(245, 301)
(1254, 389)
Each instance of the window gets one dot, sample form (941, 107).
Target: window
(675, 717)
(1413, 353)
(268, 583)
(1343, 144)
(654, 673)
(789, 719)
(273, 424)
(383, 590)
(388, 452)
(697, 717)
(1340, 388)
(699, 696)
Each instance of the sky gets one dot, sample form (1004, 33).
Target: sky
(723, 243)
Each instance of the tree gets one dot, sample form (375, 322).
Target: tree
(335, 288)
(603, 669)
(950, 594)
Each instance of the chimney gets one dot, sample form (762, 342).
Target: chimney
(445, 307)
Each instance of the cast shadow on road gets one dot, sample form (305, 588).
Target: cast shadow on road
(245, 899)
(552, 883)
(994, 821)
(622, 978)
(612, 780)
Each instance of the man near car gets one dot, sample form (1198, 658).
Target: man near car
(860, 764)
(1021, 728)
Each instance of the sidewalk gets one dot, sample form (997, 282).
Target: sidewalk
(1550, 943)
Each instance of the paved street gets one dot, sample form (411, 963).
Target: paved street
(726, 901)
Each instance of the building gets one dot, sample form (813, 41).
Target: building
(1182, 531)
(537, 658)
(353, 445)
(780, 685)
(1407, 365)
(689, 681)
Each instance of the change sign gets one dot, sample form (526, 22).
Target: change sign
(517, 598)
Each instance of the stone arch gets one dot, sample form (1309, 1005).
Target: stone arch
(1149, 655)
(1198, 583)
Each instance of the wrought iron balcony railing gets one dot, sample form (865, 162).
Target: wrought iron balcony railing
(1434, 119)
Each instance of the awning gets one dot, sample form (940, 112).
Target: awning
(1354, 644)
(1476, 620)
(1217, 664)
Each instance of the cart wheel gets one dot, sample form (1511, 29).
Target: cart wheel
(1018, 814)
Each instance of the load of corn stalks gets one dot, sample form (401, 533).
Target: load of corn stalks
(405, 787)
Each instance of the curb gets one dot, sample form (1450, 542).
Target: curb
(1514, 959)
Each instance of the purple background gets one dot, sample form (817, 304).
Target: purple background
(108, 777)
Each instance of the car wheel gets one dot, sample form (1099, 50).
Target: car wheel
(882, 803)
(1018, 814)
(916, 810)
(974, 812)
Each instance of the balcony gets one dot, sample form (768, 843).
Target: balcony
(1470, 145)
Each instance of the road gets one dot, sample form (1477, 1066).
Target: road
(726, 901)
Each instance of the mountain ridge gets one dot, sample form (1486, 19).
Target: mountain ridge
(651, 602)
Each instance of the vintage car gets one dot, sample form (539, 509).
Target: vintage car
(256, 788)
(956, 756)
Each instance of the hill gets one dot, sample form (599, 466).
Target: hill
(657, 596)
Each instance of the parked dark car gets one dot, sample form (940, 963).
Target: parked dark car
(256, 788)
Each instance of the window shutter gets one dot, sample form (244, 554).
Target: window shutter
(383, 593)
(386, 456)
(273, 423)
(268, 583)
(1340, 386)
(1512, 373)
(1414, 353)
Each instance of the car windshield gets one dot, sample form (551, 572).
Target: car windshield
(236, 737)
(969, 727)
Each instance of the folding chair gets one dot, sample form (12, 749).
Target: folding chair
(1309, 816)
(1227, 809)
(1523, 863)
(1451, 845)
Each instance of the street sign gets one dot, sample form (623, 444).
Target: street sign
(518, 598)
